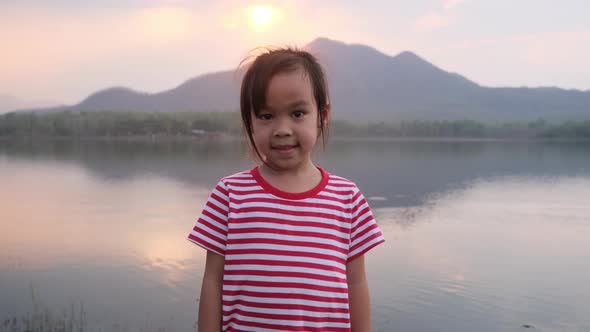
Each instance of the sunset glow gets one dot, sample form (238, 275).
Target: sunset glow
(152, 46)
(165, 23)
(261, 15)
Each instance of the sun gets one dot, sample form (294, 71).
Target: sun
(261, 15)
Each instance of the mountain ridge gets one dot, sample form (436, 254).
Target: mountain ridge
(365, 84)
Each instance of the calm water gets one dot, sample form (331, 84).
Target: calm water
(480, 236)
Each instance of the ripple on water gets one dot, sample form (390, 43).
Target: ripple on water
(497, 254)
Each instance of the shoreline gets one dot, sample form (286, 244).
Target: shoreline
(220, 138)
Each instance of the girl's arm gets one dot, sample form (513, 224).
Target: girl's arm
(358, 295)
(210, 302)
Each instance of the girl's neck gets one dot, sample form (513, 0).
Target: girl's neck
(297, 180)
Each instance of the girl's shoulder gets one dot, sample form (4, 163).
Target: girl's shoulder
(341, 182)
(240, 179)
(243, 175)
(340, 179)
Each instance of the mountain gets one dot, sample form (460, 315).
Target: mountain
(368, 85)
(210, 92)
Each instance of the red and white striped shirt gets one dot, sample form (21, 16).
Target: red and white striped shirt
(286, 253)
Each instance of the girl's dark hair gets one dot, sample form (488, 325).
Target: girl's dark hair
(264, 67)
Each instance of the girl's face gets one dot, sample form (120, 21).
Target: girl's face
(286, 130)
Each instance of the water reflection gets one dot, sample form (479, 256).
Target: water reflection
(188, 162)
(480, 236)
(403, 173)
(116, 246)
(495, 255)
(70, 212)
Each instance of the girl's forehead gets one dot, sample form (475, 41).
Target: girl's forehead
(289, 88)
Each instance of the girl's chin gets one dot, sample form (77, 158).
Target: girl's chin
(285, 164)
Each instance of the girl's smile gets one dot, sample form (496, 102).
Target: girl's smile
(284, 149)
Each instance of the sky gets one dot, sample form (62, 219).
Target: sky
(63, 50)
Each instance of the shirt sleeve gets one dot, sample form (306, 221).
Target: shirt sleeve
(210, 230)
(365, 233)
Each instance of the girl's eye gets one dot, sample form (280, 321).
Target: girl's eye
(265, 116)
(298, 114)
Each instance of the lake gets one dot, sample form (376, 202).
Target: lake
(480, 236)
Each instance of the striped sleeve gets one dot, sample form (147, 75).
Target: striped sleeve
(210, 230)
(365, 233)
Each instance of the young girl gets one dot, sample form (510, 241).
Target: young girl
(285, 240)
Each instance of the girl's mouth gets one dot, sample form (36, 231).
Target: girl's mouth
(284, 149)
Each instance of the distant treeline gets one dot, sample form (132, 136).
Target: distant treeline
(118, 124)
(110, 123)
(466, 129)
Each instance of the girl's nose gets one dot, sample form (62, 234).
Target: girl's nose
(282, 128)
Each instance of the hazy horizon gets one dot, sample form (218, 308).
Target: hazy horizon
(65, 51)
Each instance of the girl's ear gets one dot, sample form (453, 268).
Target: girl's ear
(328, 115)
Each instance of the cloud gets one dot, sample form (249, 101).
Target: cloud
(165, 23)
(432, 21)
(81, 50)
(450, 4)
(148, 48)
(524, 59)
(544, 49)
(557, 48)
(438, 19)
